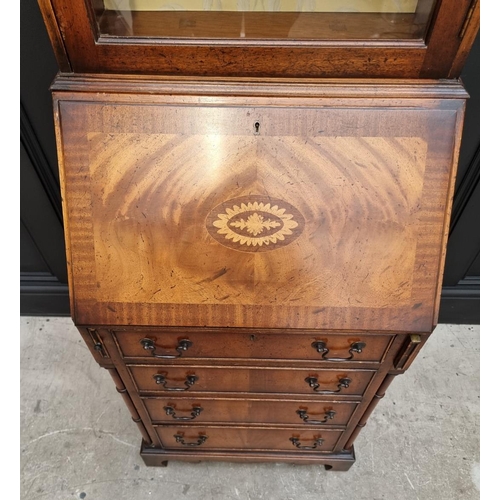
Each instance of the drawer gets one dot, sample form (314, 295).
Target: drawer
(250, 411)
(215, 437)
(310, 346)
(258, 380)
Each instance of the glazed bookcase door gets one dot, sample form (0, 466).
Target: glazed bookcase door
(381, 38)
(265, 19)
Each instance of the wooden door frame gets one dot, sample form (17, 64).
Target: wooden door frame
(79, 48)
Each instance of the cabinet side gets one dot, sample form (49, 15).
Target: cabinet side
(449, 205)
(55, 36)
(62, 180)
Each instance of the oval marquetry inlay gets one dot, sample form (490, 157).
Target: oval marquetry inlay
(255, 223)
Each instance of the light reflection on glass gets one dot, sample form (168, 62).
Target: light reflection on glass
(266, 19)
(401, 6)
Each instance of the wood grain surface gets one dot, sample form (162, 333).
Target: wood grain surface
(248, 438)
(274, 345)
(363, 49)
(370, 181)
(244, 379)
(256, 218)
(151, 195)
(251, 410)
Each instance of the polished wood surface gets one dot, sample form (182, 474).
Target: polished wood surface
(255, 250)
(273, 345)
(249, 380)
(322, 414)
(144, 178)
(468, 35)
(248, 438)
(448, 45)
(254, 258)
(332, 91)
(155, 457)
(434, 57)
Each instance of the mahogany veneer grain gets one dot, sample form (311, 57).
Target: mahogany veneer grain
(168, 186)
(234, 215)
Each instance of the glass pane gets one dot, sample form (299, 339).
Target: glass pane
(265, 19)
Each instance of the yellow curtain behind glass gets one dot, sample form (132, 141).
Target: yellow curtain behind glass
(403, 6)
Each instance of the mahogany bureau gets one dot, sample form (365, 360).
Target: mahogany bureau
(255, 253)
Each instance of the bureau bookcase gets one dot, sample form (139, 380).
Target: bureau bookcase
(256, 226)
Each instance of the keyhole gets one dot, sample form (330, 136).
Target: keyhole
(256, 127)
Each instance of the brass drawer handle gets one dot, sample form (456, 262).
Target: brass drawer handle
(162, 380)
(318, 442)
(149, 345)
(179, 438)
(313, 382)
(170, 410)
(356, 348)
(329, 414)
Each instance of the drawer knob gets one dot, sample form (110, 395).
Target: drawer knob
(314, 384)
(356, 348)
(317, 442)
(162, 380)
(149, 345)
(170, 410)
(329, 414)
(179, 438)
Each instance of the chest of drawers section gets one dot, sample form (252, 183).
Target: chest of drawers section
(299, 406)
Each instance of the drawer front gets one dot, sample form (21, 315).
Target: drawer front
(241, 379)
(211, 344)
(196, 410)
(212, 437)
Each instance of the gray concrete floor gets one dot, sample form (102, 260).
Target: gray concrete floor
(78, 441)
